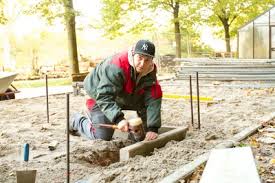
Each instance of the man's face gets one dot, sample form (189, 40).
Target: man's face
(142, 62)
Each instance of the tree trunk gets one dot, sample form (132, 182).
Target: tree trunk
(8, 14)
(35, 69)
(188, 45)
(177, 30)
(72, 45)
(227, 38)
(9, 60)
(6, 50)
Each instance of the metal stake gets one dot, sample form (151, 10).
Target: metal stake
(198, 100)
(47, 99)
(68, 137)
(191, 100)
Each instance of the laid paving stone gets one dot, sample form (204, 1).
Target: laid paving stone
(272, 135)
(269, 130)
(230, 165)
(267, 140)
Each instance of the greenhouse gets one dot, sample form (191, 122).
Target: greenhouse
(256, 39)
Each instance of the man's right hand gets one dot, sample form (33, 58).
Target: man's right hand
(123, 125)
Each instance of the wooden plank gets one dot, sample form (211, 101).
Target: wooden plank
(243, 66)
(146, 147)
(165, 78)
(123, 135)
(260, 76)
(165, 129)
(79, 76)
(230, 78)
(229, 71)
(222, 73)
(249, 85)
(223, 61)
(230, 165)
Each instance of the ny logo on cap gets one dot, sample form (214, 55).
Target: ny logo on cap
(144, 46)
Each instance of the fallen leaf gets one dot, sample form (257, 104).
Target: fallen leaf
(254, 143)
(261, 170)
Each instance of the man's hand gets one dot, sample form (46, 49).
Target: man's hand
(151, 136)
(123, 125)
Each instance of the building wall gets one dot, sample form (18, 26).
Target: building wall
(254, 38)
(246, 41)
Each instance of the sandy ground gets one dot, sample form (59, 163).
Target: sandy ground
(24, 121)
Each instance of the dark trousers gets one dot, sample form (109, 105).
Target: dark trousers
(87, 125)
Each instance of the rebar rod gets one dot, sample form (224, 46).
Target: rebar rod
(198, 100)
(191, 100)
(47, 99)
(68, 137)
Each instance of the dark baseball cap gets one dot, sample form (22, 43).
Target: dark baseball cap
(145, 47)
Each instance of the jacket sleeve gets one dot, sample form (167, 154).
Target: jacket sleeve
(110, 84)
(153, 97)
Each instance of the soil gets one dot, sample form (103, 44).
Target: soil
(25, 121)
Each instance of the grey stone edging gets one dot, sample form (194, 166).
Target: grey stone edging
(185, 170)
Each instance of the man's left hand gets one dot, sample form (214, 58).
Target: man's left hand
(151, 136)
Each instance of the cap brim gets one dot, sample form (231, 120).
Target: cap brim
(137, 52)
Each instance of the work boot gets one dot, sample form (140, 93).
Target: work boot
(72, 130)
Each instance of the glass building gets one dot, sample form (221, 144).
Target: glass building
(256, 39)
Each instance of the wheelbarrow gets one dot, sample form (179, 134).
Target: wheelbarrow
(6, 92)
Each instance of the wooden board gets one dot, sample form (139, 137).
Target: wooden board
(146, 147)
(79, 77)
